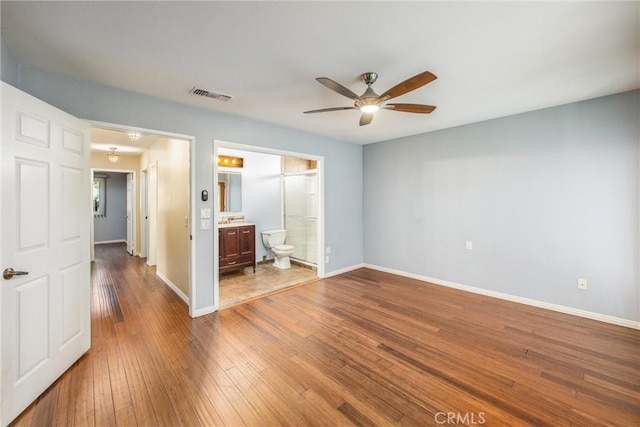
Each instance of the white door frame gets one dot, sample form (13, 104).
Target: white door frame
(131, 212)
(133, 225)
(192, 201)
(152, 213)
(144, 238)
(216, 215)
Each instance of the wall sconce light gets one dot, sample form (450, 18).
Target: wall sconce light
(133, 136)
(231, 162)
(112, 156)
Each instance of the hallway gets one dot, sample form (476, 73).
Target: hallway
(361, 348)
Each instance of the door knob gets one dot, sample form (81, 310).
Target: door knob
(8, 273)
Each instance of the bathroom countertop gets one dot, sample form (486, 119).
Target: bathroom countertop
(234, 224)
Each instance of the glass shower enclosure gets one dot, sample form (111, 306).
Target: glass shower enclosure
(300, 195)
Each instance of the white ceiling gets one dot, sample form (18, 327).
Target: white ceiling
(103, 139)
(491, 59)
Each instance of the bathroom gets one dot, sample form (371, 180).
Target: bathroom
(272, 192)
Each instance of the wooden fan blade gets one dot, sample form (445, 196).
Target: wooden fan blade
(411, 108)
(324, 110)
(410, 84)
(366, 118)
(337, 87)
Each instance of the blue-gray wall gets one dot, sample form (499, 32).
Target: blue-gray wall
(343, 161)
(10, 69)
(113, 226)
(546, 197)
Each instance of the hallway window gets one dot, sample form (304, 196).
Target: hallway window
(99, 195)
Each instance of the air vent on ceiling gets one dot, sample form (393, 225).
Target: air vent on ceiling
(209, 94)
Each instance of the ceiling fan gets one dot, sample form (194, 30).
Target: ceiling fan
(370, 102)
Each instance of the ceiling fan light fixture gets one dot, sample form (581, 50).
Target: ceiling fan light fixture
(370, 102)
(369, 108)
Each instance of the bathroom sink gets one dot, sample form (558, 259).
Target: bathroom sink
(234, 224)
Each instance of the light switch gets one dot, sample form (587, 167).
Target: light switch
(205, 213)
(205, 224)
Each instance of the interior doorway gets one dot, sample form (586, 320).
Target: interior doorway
(113, 219)
(144, 237)
(160, 167)
(265, 202)
(131, 243)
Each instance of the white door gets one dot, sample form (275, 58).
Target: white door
(45, 225)
(130, 213)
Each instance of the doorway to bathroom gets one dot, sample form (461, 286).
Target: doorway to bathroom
(270, 190)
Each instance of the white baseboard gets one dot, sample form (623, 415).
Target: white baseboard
(535, 303)
(106, 242)
(205, 310)
(173, 287)
(344, 270)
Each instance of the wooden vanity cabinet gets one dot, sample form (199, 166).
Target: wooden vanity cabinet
(237, 248)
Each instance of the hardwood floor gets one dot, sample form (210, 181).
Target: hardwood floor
(362, 348)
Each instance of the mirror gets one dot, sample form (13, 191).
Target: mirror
(230, 191)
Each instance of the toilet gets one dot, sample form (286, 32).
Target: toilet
(274, 240)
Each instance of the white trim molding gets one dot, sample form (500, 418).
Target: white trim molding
(205, 310)
(527, 301)
(173, 287)
(345, 270)
(106, 242)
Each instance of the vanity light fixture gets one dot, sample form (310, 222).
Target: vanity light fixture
(112, 156)
(232, 162)
(133, 136)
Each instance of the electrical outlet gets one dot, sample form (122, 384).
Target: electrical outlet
(469, 245)
(582, 284)
(326, 259)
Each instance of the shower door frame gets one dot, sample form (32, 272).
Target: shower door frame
(304, 174)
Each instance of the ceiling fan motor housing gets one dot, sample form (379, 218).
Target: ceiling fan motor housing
(369, 97)
(369, 78)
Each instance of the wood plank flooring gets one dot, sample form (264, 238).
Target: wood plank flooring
(362, 348)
